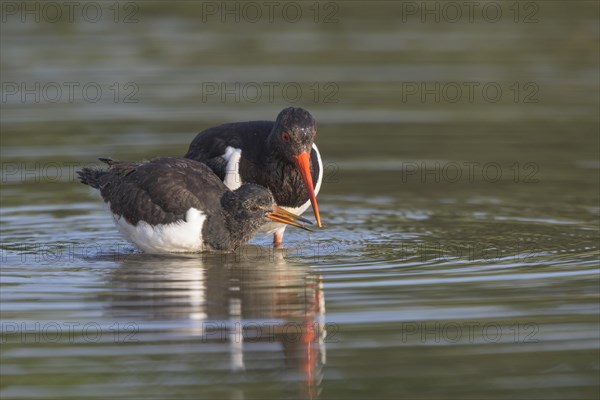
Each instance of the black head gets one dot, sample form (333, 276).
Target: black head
(249, 203)
(294, 132)
(292, 138)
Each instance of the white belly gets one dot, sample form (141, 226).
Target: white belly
(179, 237)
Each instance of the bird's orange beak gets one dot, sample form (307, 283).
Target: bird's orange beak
(286, 217)
(303, 164)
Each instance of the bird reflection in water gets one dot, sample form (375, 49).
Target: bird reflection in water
(247, 301)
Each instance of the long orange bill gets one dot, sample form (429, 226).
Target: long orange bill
(303, 163)
(286, 217)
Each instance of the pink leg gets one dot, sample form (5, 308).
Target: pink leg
(278, 239)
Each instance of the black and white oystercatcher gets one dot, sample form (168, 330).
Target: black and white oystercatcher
(280, 155)
(170, 205)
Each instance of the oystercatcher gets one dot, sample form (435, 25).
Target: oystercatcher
(280, 155)
(170, 205)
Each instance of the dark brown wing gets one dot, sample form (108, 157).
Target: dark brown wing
(159, 191)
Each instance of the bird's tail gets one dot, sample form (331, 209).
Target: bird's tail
(92, 176)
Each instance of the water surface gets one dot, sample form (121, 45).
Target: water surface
(460, 258)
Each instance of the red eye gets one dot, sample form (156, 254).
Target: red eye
(285, 136)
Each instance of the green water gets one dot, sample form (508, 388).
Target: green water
(461, 198)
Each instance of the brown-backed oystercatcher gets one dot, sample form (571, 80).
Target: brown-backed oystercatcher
(171, 205)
